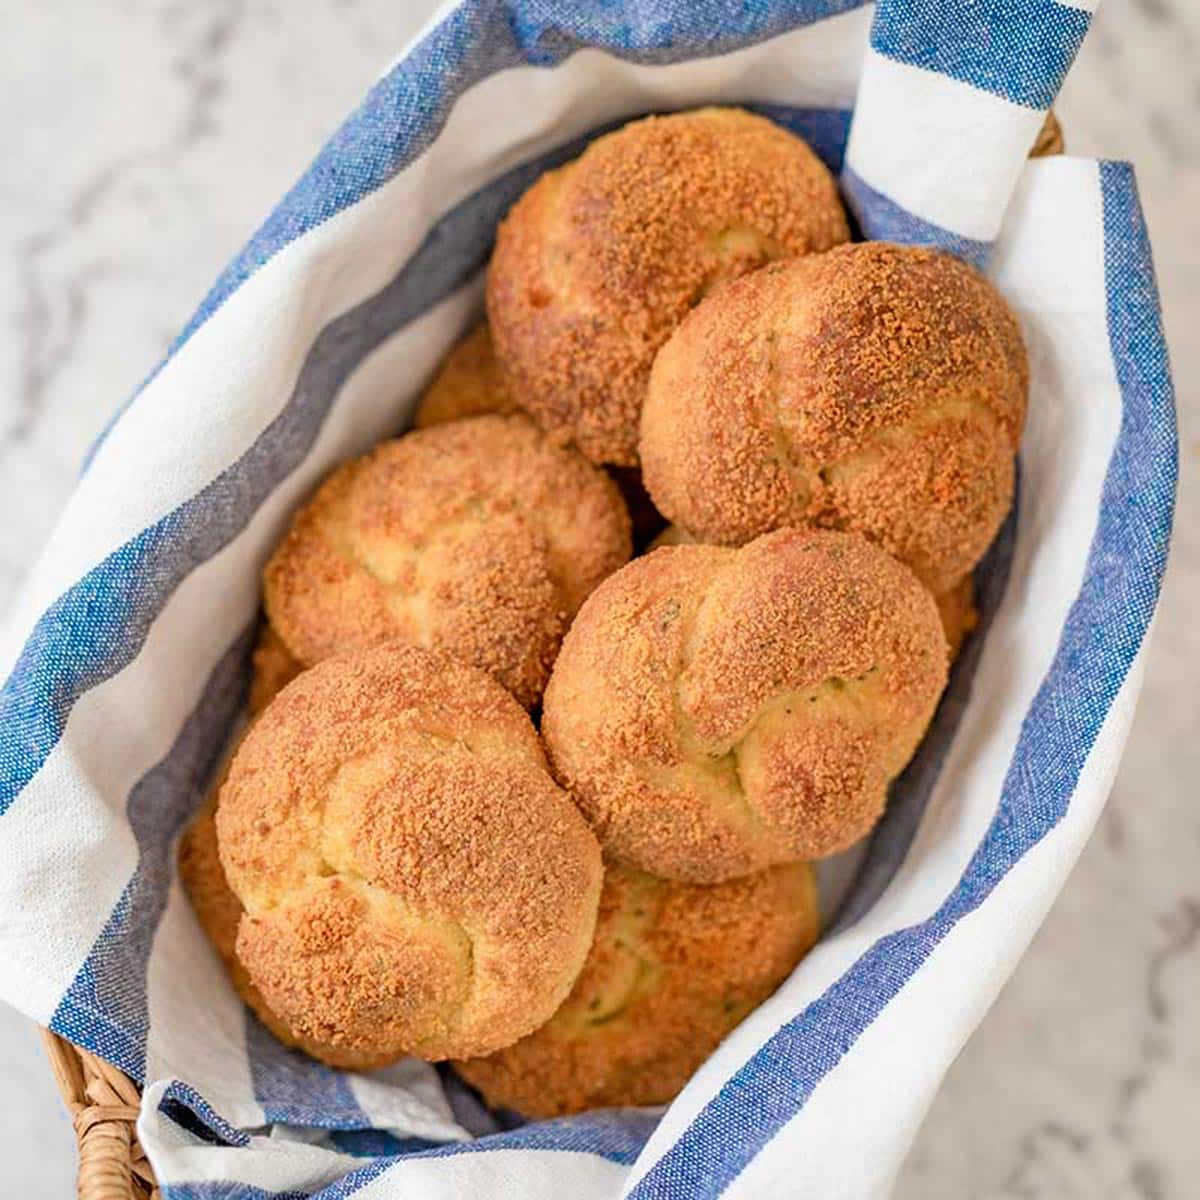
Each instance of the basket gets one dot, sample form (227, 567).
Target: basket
(104, 1102)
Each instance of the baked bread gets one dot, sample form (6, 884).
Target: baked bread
(469, 383)
(599, 261)
(715, 711)
(673, 969)
(478, 538)
(272, 668)
(413, 880)
(219, 911)
(875, 388)
(956, 605)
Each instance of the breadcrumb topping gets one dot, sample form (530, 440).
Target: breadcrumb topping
(412, 879)
(874, 388)
(478, 538)
(600, 260)
(715, 711)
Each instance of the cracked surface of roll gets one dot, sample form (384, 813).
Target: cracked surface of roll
(413, 880)
(599, 261)
(218, 910)
(715, 711)
(477, 538)
(876, 388)
(956, 605)
(673, 969)
(470, 383)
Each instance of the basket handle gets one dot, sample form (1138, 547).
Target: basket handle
(103, 1103)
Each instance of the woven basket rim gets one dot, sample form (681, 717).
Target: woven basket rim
(104, 1102)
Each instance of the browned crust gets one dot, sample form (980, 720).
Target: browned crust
(272, 669)
(599, 261)
(673, 969)
(956, 607)
(715, 711)
(877, 388)
(469, 383)
(219, 911)
(413, 880)
(478, 538)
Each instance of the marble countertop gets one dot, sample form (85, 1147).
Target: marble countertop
(141, 145)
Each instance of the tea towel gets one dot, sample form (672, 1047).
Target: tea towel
(124, 665)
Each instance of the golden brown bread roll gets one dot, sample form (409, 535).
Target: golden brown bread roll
(715, 711)
(599, 261)
(219, 911)
(672, 970)
(956, 605)
(875, 388)
(272, 669)
(478, 538)
(469, 383)
(413, 880)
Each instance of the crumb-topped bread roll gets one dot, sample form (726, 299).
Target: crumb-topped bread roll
(599, 261)
(672, 970)
(272, 668)
(956, 605)
(715, 711)
(469, 383)
(413, 880)
(218, 910)
(478, 538)
(875, 388)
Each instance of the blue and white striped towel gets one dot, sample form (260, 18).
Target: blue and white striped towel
(126, 661)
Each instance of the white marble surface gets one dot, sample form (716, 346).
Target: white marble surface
(141, 142)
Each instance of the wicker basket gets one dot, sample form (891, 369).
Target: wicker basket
(103, 1102)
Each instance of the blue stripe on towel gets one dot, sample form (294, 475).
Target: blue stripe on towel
(1100, 639)
(99, 625)
(294, 1089)
(826, 130)
(106, 1008)
(1018, 49)
(225, 1189)
(188, 1109)
(378, 1143)
(617, 1135)
(405, 111)
(881, 219)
